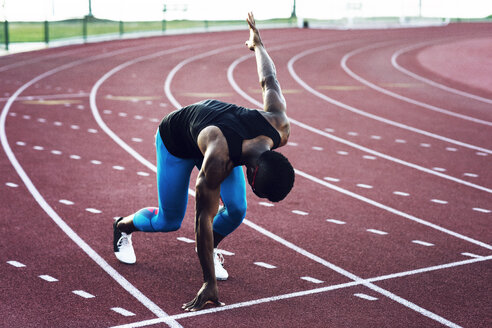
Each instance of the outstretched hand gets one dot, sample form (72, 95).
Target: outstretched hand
(254, 35)
(208, 294)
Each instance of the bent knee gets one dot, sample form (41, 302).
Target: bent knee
(237, 212)
(167, 223)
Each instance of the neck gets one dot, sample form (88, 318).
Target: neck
(252, 149)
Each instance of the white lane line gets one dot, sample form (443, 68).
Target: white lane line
(186, 240)
(20, 143)
(423, 243)
(118, 168)
(392, 210)
(471, 175)
(317, 148)
(365, 186)
(137, 139)
(377, 232)
(300, 212)
(75, 157)
(401, 141)
(451, 149)
(83, 294)
(265, 265)
(299, 294)
(342, 152)
(481, 210)
(16, 264)
(425, 145)
(123, 312)
(48, 278)
(439, 201)
(472, 255)
(266, 204)
(143, 174)
(481, 154)
(394, 62)
(335, 221)
(439, 169)
(331, 179)
(294, 144)
(343, 64)
(56, 152)
(48, 209)
(361, 112)
(93, 210)
(92, 130)
(313, 280)
(401, 193)
(247, 222)
(66, 202)
(369, 157)
(366, 297)
(11, 185)
(38, 148)
(96, 162)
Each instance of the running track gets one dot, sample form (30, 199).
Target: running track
(389, 223)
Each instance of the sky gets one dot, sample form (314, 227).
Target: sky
(39, 10)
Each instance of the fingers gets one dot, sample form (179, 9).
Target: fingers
(196, 304)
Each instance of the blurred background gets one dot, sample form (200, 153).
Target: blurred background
(48, 21)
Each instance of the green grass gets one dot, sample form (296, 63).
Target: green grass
(34, 31)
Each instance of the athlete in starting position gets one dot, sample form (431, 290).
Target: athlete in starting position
(218, 138)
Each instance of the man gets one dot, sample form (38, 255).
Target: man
(218, 138)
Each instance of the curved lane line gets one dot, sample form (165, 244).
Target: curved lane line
(394, 62)
(230, 76)
(366, 114)
(343, 64)
(335, 138)
(298, 249)
(48, 209)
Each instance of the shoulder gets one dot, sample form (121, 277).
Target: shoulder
(280, 122)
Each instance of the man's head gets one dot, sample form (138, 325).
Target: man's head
(272, 177)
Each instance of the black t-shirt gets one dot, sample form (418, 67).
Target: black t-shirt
(180, 129)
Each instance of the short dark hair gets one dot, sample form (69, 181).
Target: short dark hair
(275, 176)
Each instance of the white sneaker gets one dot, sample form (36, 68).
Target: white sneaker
(220, 272)
(122, 245)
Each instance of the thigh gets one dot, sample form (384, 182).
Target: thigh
(173, 179)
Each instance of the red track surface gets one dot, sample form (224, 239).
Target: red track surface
(389, 223)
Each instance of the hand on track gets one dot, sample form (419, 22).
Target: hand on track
(208, 294)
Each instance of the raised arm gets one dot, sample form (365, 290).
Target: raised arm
(273, 100)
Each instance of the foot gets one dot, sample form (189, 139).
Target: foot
(122, 245)
(220, 272)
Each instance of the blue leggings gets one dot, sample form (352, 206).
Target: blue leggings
(173, 179)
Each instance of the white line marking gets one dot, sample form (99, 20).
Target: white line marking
(186, 240)
(118, 168)
(66, 202)
(366, 297)
(75, 157)
(353, 134)
(317, 148)
(482, 210)
(401, 141)
(300, 212)
(48, 278)
(92, 130)
(438, 201)
(401, 193)
(20, 143)
(74, 127)
(439, 169)
(265, 265)
(369, 157)
(335, 221)
(12, 185)
(472, 255)
(394, 62)
(16, 264)
(471, 175)
(377, 232)
(143, 174)
(344, 66)
(425, 145)
(481, 154)
(83, 294)
(96, 162)
(392, 210)
(294, 144)
(331, 179)
(361, 112)
(123, 312)
(266, 204)
(38, 147)
(452, 149)
(376, 137)
(137, 139)
(365, 186)
(93, 210)
(423, 243)
(313, 280)
(57, 123)
(48, 209)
